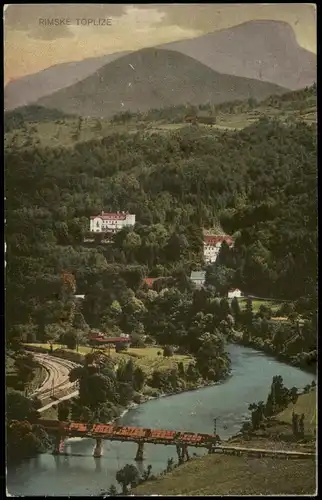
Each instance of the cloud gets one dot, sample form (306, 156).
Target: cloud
(28, 18)
(31, 47)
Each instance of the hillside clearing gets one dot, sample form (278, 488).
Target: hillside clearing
(307, 405)
(147, 358)
(229, 475)
(257, 303)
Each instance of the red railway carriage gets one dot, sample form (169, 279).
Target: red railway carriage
(100, 339)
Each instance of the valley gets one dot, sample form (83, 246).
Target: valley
(161, 252)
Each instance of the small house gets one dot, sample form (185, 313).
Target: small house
(234, 292)
(198, 278)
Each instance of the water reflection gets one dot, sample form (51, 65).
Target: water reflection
(58, 461)
(98, 464)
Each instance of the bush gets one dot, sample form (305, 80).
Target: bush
(137, 340)
(137, 398)
(120, 347)
(167, 351)
(150, 392)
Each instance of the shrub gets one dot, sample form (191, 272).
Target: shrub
(167, 351)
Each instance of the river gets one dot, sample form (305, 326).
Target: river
(81, 474)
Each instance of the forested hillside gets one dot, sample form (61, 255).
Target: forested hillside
(36, 125)
(259, 183)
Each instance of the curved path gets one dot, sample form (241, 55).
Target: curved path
(57, 379)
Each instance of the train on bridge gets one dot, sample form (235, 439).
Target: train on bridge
(181, 439)
(122, 433)
(138, 435)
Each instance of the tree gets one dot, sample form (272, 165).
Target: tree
(63, 410)
(181, 370)
(235, 309)
(137, 340)
(131, 244)
(192, 373)
(76, 373)
(125, 371)
(248, 314)
(257, 414)
(138, 378)
(294, 395)
(112, 491)
(295, 424)
(53, 332)
(124, 393)
(96, 389)
(25, 440)
(18, 407)
(225, 308)
(70, 338)
(147, 472)
(25, 366)
(127, 475)
(301, 425)
(167, 351)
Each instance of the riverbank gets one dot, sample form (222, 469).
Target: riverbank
(192, 411)
(232, 475)
(304, 361)
(167, 387)
(51, 413)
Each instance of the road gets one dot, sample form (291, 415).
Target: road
(57, 379)
(263, 452)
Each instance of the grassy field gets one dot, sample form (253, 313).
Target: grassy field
(257, 303)
(307, 404)
(278, 432)
(147, 358)
(229, 475)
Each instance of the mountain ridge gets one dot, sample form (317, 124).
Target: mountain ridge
(152, 78)
(28, 89)
(296, 73)
(261, 49)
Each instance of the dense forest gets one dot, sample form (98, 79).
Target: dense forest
(259, 184)
(297, 100)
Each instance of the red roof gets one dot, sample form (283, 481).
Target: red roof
(110, 216)
(213, 240)
(149, 281)
(111, 340)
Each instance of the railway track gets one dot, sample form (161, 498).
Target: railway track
(57, 378)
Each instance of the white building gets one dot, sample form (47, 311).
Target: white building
(198, 278)
(111, 222)
(235, 292)
(212, 245)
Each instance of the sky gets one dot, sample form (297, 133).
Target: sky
(31, 45)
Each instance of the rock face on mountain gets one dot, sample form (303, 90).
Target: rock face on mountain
(265, 50)
(153, 78)
(30, 88)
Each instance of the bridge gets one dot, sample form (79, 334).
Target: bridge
(180, 439)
